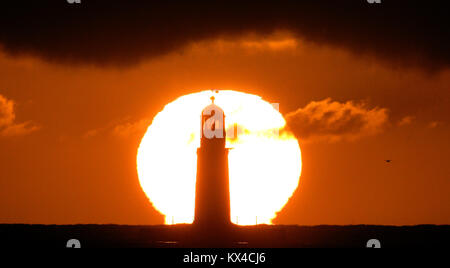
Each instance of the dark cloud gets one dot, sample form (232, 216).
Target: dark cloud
(334, 121)
(126, 32)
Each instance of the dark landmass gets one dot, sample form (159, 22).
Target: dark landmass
(187, 236)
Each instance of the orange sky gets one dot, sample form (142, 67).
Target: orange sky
(69, 153)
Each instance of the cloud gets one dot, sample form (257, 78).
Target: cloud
(19, 129)
(435, 124)
(8, 127)
(131, 129)
(407, 120)
(91, 133)
(275, 45)
(334, 121)
(124, 129)
(127, 32)
(6, 112)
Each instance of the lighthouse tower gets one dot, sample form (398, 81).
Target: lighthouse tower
(212, 192)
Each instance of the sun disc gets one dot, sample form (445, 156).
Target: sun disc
(264, 163)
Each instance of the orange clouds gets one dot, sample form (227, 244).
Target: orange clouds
(124, 129)
(435, 124)
(8, 127)
(276, 45)
(407, 120)
(333, 121)
(129, 129)
(6, 111)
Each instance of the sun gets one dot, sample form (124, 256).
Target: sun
(264, 161)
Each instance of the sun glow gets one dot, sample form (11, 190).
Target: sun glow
(264, 162)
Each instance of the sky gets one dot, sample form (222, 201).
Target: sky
(357, 85)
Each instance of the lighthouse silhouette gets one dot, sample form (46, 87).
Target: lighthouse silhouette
(212, 190)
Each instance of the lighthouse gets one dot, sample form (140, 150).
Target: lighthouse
(212, 190)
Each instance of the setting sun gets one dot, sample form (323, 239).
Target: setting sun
(264, 162)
